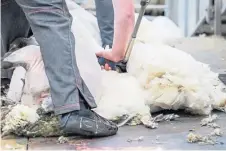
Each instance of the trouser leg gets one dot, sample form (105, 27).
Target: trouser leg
(13, 25)
(51, 25)
(105, 19)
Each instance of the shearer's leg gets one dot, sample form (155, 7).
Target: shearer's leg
(105, 19)
(51, 24)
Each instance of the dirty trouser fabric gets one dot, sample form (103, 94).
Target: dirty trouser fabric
(13, 25)
(51, 25)
(105, 19)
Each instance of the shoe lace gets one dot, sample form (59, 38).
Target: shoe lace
(102, 118)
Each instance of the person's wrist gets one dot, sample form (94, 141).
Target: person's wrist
(118, 55)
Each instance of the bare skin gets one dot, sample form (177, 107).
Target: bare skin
(124, 21)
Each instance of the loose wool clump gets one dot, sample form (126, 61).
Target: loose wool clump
(19, 117)
(121, 95)
(174, 80)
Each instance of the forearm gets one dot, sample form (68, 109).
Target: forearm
(123, 26)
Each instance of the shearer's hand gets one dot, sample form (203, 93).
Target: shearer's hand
(108, 60)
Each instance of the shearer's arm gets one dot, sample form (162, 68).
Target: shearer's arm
(123, 26)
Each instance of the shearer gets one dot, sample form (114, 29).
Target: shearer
(50, 22)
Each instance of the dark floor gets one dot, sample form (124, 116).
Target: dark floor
(169, 135)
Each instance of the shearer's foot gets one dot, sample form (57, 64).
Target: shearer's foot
(86, 122)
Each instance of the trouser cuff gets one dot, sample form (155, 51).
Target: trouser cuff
(66, 108)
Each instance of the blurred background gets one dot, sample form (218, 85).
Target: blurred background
(193, 17)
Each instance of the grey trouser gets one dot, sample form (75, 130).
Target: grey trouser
(105, 18)
(13, 25)
(51, 25)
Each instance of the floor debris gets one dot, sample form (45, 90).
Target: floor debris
(216, 132)
(139, 139)
(10, 147)
(129, 119)
(209, 119)
(167, 117)
(149, 123)
(191, 130)
(152, 123)
(62, 140)
(5, 110)
(213, 125)
(47, 125)
(196, 138)
(18, 118)
(135, 121)
(193, 138)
